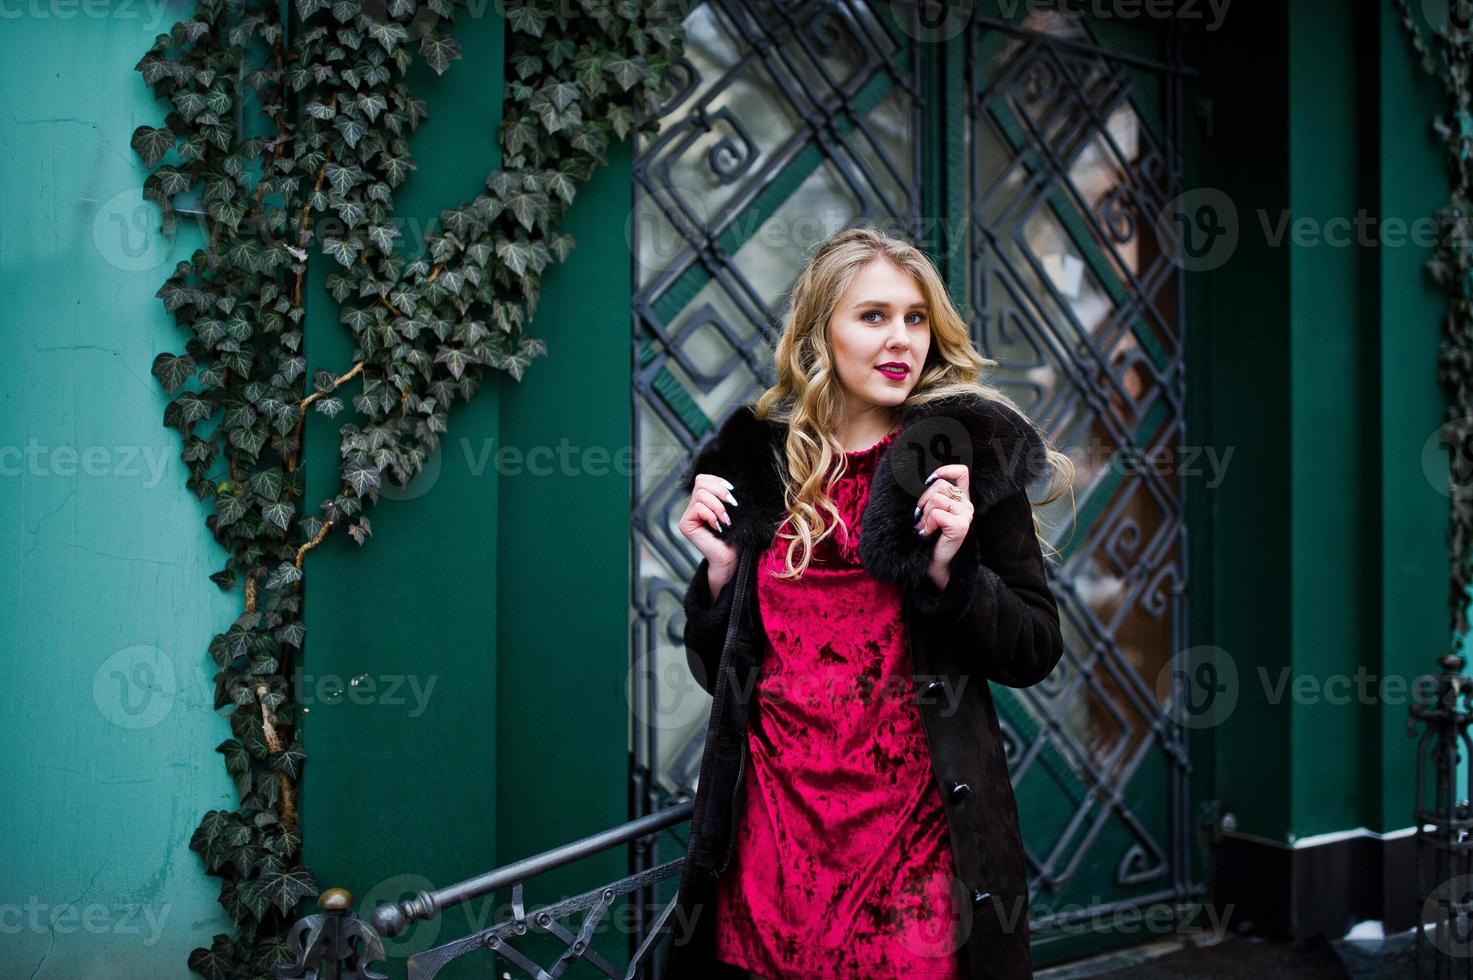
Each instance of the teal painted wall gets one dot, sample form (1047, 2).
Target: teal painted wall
(105, 603)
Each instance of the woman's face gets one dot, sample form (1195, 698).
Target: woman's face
(881, 321)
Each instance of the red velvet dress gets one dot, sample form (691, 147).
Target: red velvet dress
(842, 865)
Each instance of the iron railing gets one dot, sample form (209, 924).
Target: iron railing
(336, 943)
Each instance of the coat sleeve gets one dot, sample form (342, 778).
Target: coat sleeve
(997, 605)
(705, 625)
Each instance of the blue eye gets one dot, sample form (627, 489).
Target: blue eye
(864, 316)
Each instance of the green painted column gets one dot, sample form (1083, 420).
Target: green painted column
(1326, 431)
(497, 584)
(399, 676)
(563, 594)
(1409, 554)
(1244, 389)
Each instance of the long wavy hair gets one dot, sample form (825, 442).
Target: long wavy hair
(809, 398)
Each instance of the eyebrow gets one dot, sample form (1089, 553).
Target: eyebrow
(886, 304)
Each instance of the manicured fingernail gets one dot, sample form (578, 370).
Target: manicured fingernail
(729, 484)
(726, 518)
(916, 514)
(731, 500)
(921, 531)
(929, 479)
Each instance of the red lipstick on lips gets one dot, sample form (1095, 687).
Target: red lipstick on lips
(894, 370)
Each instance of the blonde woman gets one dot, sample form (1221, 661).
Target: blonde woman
(854, 817)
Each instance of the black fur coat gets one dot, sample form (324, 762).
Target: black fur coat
(996, 621)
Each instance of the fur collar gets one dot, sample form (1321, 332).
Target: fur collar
(1002, 451)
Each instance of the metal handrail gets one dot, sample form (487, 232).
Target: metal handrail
(335, 943)
(390, 919)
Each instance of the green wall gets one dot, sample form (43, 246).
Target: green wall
(495, 585)
(400, 790)
(1327, 537)
(106, 607)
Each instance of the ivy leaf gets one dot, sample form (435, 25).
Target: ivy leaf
(288, 888)
(344, 250)
(268, 483)
(151, 144)
(215, 963)
(285, 843)
(171, 180)
(280, 513)
(252, 897)
(383, 236)
(371, 104)
(228, 509)
(237, 763)
(189, 104)
(514, 255)
(439, 51)
(289, 760)
(352, 129)
(626, 71)
(342, 178)
(526, 19)
(272, 951)
(388, 34)
(517, 133)
(361, 478)
(396, 168)
(562, 185)
(559, 50)
(352, 213)
(173, 371)
(210, 826)
(285, 574)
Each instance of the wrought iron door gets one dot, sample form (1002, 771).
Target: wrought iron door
(1032, 158)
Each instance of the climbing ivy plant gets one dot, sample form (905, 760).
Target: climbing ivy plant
(1451, 265)
(286, 141)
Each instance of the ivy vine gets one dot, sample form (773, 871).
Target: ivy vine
(288, 141)
(1451, 265)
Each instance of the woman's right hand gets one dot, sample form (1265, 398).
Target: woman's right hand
(704, 515)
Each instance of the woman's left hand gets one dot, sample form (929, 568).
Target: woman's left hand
(943, 513)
